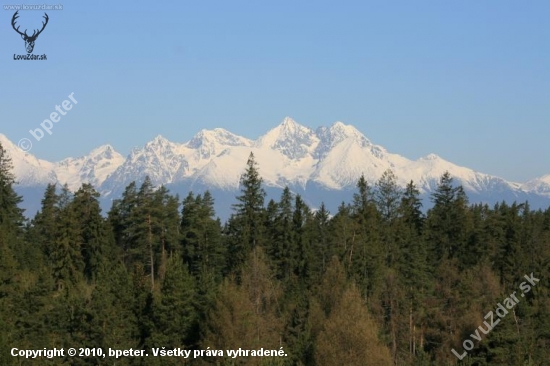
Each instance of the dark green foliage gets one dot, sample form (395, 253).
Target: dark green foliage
(175, 319)
(449, 223)
(66, 253)
(321, 251)
(95, 239)
(367, 252)
(11, 222)
(245, 228)
(201, 238)
(114, 322)
(379, 280)
(43, 230)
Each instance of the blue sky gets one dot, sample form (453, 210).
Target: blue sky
(467, 80)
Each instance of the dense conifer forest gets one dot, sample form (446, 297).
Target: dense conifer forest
(379, 282)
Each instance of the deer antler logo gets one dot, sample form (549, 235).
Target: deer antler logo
(29, 40)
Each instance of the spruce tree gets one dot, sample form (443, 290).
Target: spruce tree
(321, 251)
(44, 223)
(388, 195)
(414, 273)
(95, 246)
(11, 226)
(174, 308)
(66, 255)
(245, 227)
(300, 254)
(201, 238)
(281, 243)
(448, 222)
(366, 255)
(114, 322)
(120, 219)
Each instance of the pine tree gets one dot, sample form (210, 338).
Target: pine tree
(66, 255)
(94, 237)
(413, 268)
(11, 222)
(410, 209)
(11, 216)
(388, 195)
(166, 228)
(366, 255)
(201, 238)
(298, 335)
(281, 245)
(509, 256)
(387, 198)
(301, 254)
(120, 219)
(448, 222)
(44, 223)
(245, 227)
(174, 308)
(149, 228)
(114, 322)
(321, 251)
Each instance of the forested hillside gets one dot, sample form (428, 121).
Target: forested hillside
(376, 283)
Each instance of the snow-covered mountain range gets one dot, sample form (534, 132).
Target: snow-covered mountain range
(322, 165)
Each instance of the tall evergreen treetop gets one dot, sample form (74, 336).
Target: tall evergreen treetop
(388, 195)
(250, 209)
(251, 200)
(10, 213)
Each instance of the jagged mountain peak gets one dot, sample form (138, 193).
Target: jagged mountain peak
(102, 152)
(337, 133)
(217, 136)
(106, 151)
(340, 131)
(339, 125)
(432, 157)
(288, 128)
(159, 140)
(290, 138)
(290, 154)
(160, 147)
(539, 185)
(290, 123)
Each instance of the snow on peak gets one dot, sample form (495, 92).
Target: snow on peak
(159, 159)
(28, 170)
(289, 154)
(93, 168)
(539, 185)
(4, 140)
(218, 136)
(10, 147)
(339, 132)
(288, 122)
(290, 138)
(348, 130)
(209, 143)
(106, 151)
(158, 141)
(431, 157)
